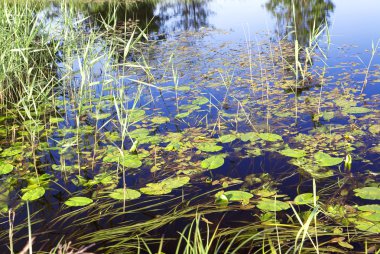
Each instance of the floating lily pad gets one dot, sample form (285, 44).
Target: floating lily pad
(374, 129)
(270, 137)
(33, 194)
(78, 201)
(370, 208)
(305, 198)
(213, 162)
(227, 138)
(182, 115)
(125, 194)
(272, 205)
(56, 120)
(328, 116)
(176, 182)
(11, 151)
(200, 101)
(131, 161)
(372, 193)
(373, 227)
(5, 168)
(375, 149)
(356, 110)
(294, 153)
(238, 195)
(160, 119)
(166, 186)
(370, 216)
(249, 136)
(209, 147)
(325, 160)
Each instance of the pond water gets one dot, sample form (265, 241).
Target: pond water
(257, 117)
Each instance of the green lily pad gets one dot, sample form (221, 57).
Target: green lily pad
(125, 194)
(305, 198)
(327, 116)
(175, 182)
(372, 193)
(374, 129)
(356, 110)
(160, 119)
(370, 216)
(249, 136)
(11, 151)
(272, 205)
(370, 208)
(325, 160)
(200, 101)
(375, 149)
(182, 115)
(33, 194)
(131, 161)
(270, 137)
(373, 227)
(78, 201)
(166, 186)
(213, 162)
(294, 153)
(227, 138)
(56, 120)
(208, 147)
(5, 168)
(238, 195)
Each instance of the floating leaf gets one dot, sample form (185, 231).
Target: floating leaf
(374, 129)
(356, 110)
(208, 147)
(375, 149)
(131, 161)
(125, 194)
(78, 201)
(372, 193)
(175, 182)
(213, 162)
(160, 119)
(328, 116)
(200, 101)
(249, 136)
(238, 196)
(325, 160)
(227, 138)
(11, 151)
(373, 227)
(33, 194)
(182, 115)
(370, 216)
(5, 168)
(272, 205)
(370, 208)
(270, 137)
(294, 153)
(56, 120)
(155, 189)
(305, 198)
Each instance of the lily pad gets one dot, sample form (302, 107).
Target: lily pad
(370, 208)
(270, 137)
(131, 161)
(78, 201)
(5, 168)
(166, 186)
(249, 136)
(182, 115)
(213, 162)
(374, 129)
(238, 195)
(372, 193)
(200, 101)
(272, 205)
(209, 147)
(175, 182)
(33, 194)
(325, 160)
(356, 110)
(125, 194)
(160, 119)
(373, 227)
(227, 138)
(294, 153)
(305, 198)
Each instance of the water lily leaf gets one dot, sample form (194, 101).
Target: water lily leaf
(208, 147)
(356, 110)
(56, 120)
(135, 115)
(249, 136)
(272, 205)
(11, 151)
(227, 138)
(305, 198)
(33, 194)
(5, 168)
(370, 208)
(370, 216)
(175, 182)
(182, 115)
(270, 137)
(155, 189)
(238, 195)
(265, 193)
(374, 129)
(213, 162)
(327, 116)
(131, 161)
(373, 227)
(125, 194)
(160, 119)
(372, 193)
(375, 149)
(78, 201)
(294, 153)
(325, 160)
(200, 101)
(221, 199)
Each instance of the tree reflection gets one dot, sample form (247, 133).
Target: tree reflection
(309, 14)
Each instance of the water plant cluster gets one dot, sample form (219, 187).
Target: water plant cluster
(115, 143)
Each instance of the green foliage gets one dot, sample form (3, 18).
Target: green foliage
(372, 193)
(78, 201)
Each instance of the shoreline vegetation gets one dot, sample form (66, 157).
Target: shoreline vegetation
(113, 140)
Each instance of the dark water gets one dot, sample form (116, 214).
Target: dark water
(212, 41)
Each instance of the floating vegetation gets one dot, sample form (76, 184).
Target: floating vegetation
(113, 138)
